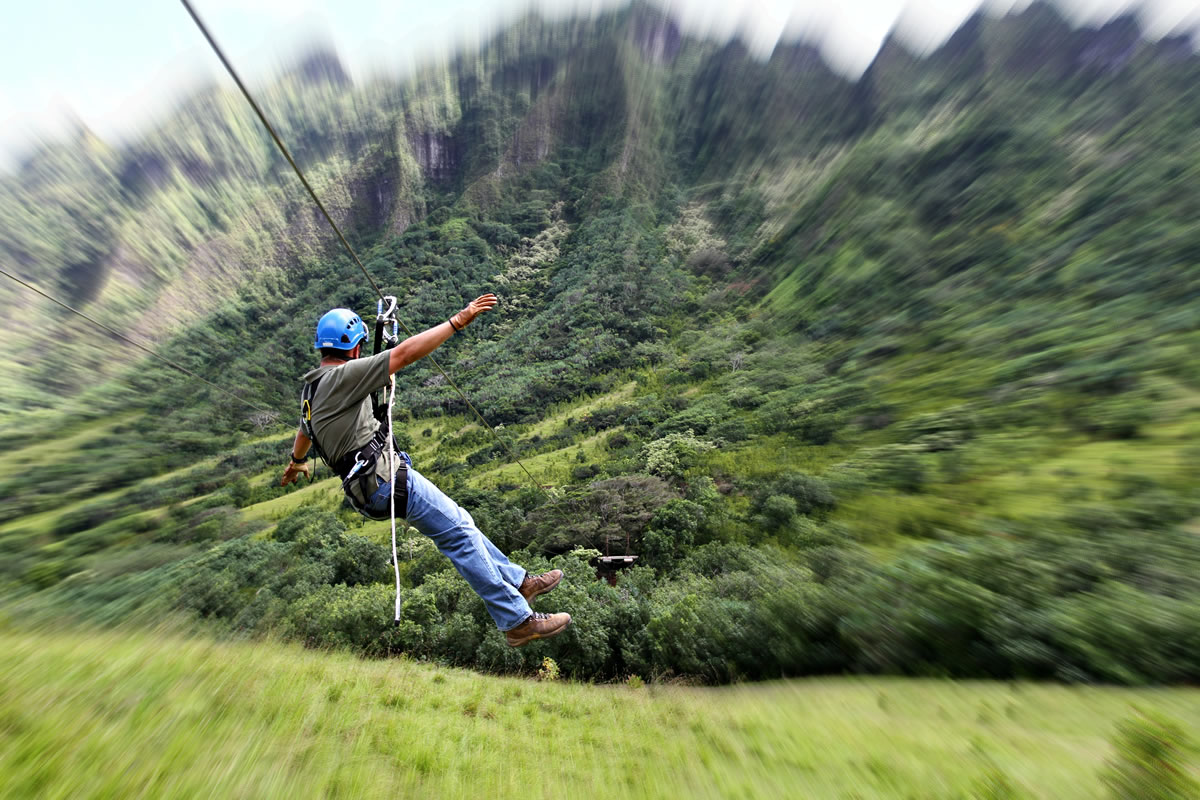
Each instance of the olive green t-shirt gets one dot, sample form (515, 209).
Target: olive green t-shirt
(341, 407)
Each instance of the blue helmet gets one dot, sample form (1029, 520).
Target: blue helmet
(340, 329)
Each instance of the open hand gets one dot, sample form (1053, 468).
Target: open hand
(294, 471)
(474, 309)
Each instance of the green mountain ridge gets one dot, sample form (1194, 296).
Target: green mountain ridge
(168, 226)
(896, 375)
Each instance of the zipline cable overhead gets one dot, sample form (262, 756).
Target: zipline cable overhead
(300, 174)
(138, 345)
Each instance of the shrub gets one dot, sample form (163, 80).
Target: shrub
(709, 261)
(700, 418)
(359, 560)
(46, 573)
(213, 523)
(616, 441)
(805, 534)
(549, 670)
(898, 466)
(809, 493)
(489, 453)
(671, 532)
(1118, 633)
(345, 616)
(671, 456)
(1120, 417)
(602, 418)
(951, 426)
(778, 511)
(681, 518)
(820, 427)
(731, 430)
(585, 472)
(913, 618)
(746, 398)
(607, 515)
(86, 516)
(1150, 761)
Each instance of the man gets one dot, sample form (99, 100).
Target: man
(336, 411)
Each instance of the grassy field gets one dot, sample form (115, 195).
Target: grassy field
(145, 714)
(135, 714)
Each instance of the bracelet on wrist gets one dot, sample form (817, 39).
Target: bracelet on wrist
(452, 325)
(298, 460)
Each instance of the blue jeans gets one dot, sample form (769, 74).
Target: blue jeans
(488, 571)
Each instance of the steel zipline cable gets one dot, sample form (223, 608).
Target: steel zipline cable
(336, 229)
(138, 345)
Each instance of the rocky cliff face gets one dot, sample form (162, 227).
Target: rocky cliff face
(435, 153)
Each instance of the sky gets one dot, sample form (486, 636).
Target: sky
(116, 65)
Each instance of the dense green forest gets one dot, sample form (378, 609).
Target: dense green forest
(896, 375)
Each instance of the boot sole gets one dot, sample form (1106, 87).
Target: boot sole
(524, 640)
(529, 599)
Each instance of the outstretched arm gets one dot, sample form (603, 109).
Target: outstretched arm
(414, 348)
(411, 349)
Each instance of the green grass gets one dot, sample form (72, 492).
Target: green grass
(551, 468)
(325, 490)
(1017, 477)
(50, 449)
(42, 523)
(765, 456)
(121, 714)
(557, 415)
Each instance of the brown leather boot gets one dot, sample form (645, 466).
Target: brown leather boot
(538, 626)
(533, 585)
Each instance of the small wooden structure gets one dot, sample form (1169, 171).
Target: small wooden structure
(607, 567)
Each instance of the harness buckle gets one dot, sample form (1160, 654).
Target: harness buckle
(359, 463)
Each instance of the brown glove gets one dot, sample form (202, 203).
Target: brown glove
(293, 472)
(473, 309)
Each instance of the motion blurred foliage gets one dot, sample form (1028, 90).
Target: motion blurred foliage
(889, 376)
(1153, 759)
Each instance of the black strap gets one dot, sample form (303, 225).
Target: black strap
(399, 486)
(306, 409)
(378, 408)
(369, 453)
(364, 479)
